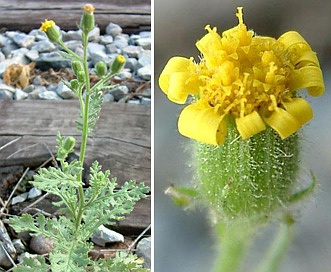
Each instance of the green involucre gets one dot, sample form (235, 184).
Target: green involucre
(247, 178)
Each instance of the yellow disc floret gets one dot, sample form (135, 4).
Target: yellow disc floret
(252, 78)
(89, 8)
(46, 25)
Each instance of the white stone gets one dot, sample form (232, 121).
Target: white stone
(145, 72)
(34, 192)
(20, 95)
(104, 235)
(63, 91)
(20, 198)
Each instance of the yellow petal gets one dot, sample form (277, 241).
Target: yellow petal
(175, 64)
(291, 38)
(181, 84)
(305, 59)
(250, 125)
(210, 42)
(202, 124)
(300, 109)
(309, 77)
(177, 81)
(283, 122)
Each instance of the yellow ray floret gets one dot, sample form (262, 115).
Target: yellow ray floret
(252, 78)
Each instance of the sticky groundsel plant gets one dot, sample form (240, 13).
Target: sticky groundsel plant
(244, 116)
(102, 202)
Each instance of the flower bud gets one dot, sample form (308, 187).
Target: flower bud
(87, 20)
(74, 84)
(81, 76)
(62, 154)
(77, 67)
(51, 30)
(100, 68)
(69, 144)
(117, 64)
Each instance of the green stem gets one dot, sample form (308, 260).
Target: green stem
(234, 239)
(102, 81)
(84, 109)
(277, 250)
(70, 52)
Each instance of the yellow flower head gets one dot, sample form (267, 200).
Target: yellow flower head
(52, 32)
(252, 78)
(89, 8)
(46, 25)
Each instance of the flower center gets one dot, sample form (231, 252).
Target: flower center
(241, 72)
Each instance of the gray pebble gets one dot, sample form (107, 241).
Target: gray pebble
(16, 46)
(29, 89)
(52, 60)
(94, 35)
(20, 198)
(41, 244)
(33, 55)
(74, 44)
(144, 43)
(132, 51)
(21, 52)
(145, 72)
(20, 95)
(120, 42)
(43, 46)
(113, 29)
(2, 56)
(131, 63)
(23, 40)
(144, 250)
(71, 35)
(34, 192)
(119, 92)
(144, 58)
(48, 95)
(107, 39)
(112, 49)
(37, 80)
(6, 95)
(108, 98)
(4, 260)
(123, 75)
(20, 248)
(63, 91)
(5, 87)
(8, 46)
(97, 52)
(104, 235)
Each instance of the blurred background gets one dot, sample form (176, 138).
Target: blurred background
(184, 241)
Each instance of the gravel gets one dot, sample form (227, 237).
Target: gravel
(43, 57)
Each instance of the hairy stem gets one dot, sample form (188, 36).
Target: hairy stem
(234, 239)
(277, 250)
(84, 133)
